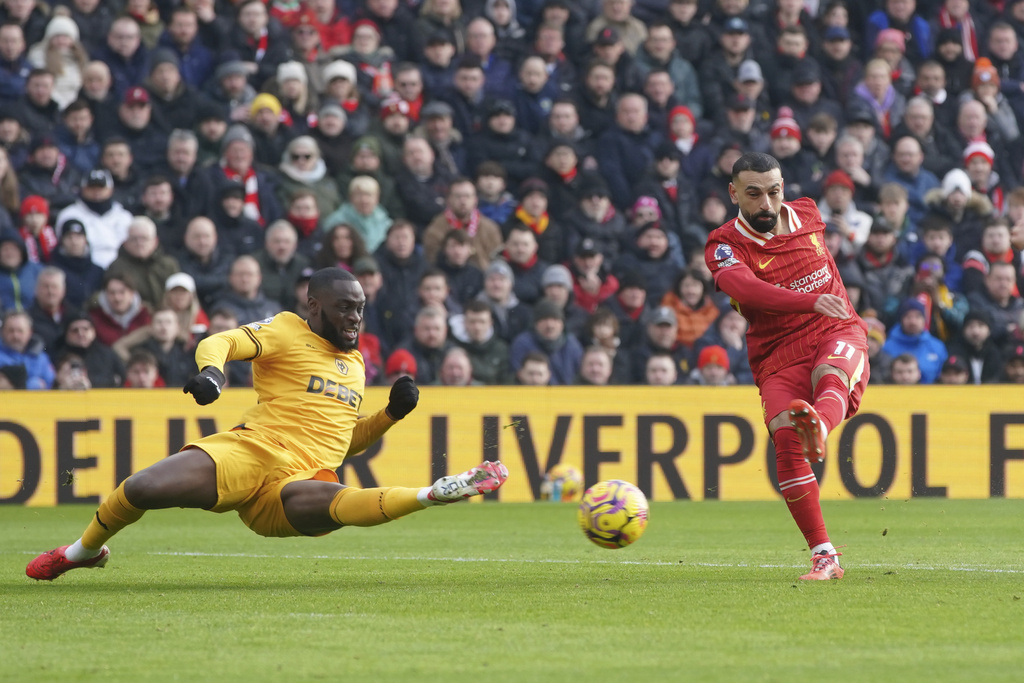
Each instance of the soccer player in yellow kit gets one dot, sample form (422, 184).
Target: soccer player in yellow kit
(277, 468)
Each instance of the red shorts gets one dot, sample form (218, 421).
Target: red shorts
(847, 351)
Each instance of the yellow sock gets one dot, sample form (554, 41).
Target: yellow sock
(370, 507)
(114, 514)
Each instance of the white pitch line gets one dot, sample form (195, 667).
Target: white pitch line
(651, 563)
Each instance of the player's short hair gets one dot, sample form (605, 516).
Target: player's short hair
(323, 280)
(758, 162)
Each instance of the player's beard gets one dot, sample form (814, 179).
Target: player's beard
(763, 221)
(334, 335)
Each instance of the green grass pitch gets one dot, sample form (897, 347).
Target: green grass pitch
(513, 592)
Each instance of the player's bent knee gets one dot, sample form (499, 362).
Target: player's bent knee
(779, 421)
(307, 506)
(823, 369)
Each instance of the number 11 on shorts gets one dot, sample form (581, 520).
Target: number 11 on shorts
(843, 350)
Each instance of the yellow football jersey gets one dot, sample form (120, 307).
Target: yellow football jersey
(309, 392)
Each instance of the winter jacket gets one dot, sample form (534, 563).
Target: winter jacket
(83, 277)
(489, 359)
(106, 232)
(148, 274)
(34, 360)
(564, 354)
(929, 351)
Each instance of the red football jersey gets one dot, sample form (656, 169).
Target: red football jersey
(798, 262)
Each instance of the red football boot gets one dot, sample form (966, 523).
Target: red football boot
(49, 566)
(805, 420)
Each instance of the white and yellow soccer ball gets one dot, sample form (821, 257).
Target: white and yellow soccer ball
(613, 514)
(563, 482)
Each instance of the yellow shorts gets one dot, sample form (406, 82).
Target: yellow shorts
(252, 468)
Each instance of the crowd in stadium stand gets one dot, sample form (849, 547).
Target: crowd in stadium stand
(523, 188)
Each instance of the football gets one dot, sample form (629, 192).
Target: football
(613, 514)
(562, 483)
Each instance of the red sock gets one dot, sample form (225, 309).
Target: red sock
(799, 487)
(831, 400)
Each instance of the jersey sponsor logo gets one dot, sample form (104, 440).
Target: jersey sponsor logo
(809, 283)
(723, 252)
(763, 263)
(331, 389)
(342, 368)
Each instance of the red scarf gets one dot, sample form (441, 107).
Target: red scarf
(968, 36)
(252, 197)
(306, 226)
(350, 105)
(570, 176)
(538, 224)
(39, 247)
(521, 266)
(260, 44)
(470, 226)
(671, 189)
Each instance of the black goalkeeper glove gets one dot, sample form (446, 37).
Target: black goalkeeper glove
(404, 397)
(205, 386)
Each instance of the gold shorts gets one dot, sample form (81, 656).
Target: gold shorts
(252, 468)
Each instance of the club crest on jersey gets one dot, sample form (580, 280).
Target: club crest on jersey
(818, 248)
(342, 368)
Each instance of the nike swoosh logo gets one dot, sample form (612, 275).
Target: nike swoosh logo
(831, 357)
(793, 500)
(764, 263)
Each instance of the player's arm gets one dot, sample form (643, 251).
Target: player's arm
(743, 287)
(368, 430)
(211, 355)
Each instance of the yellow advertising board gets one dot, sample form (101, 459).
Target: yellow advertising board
(673, 442)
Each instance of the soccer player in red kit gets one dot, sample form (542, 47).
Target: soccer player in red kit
(808, 348)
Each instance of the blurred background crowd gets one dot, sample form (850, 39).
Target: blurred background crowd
(523, 188)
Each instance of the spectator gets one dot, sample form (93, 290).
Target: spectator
(39, 238)
(105, 220)
(229, 89)
(17, 273)
(280, 264)
(712, 368)
(71, 374)
(117, 159)
(204, 260)
(548, 336)
(61, 53)
(598, 98)
(995, 246)
(900, 14)
(366, 159)
(401, 266)
(905, 370)
(175, 362)
(363, 212)
(236, 166)
(50, 308)
(595, 218)
(454, 260)
(660, 332)
(1013, 371)
(118, 309)
(302, 168)
(72, 256)
(985, 89)
(976, 347)
(38, 112)
(14, 66)
(841, 70)
(719, 69)
(105, 368)
(907, 170)
(501, 141)
(125, 55)
(456, 369)
(911, 335)
(521, 254)
(661, 371)
(18, 346)
(429, 343)
(342, 247)
(535, 370)
(601, 331)
(446, 141)
(180, 297)
(439, 15)
(627, 149)
(595, 367)
(510, 315)
(729, 332)
(532, 213)
(75, 137)
(979, 159)
(145, 262)
(400, 364)
(438, 64)
(534, 94)
(245, 297)
(258, 40)
(493, 199)
(421, 186)
(837, 207)
(802, 171)
(498, 74)
(659, 52)
(488, 353)
(182, 37)
(461, 213)
(616, 15)
(999, 301)
(143, 372)
(690, 301)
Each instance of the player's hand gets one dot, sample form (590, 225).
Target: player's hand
(831, 306)
(206, 386)
(404, 397)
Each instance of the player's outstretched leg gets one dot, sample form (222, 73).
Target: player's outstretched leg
(483, 478)
(186, 479)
